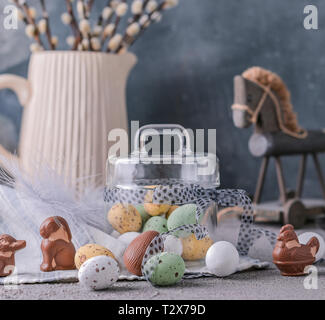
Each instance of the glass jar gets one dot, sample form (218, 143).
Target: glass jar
(163, 180)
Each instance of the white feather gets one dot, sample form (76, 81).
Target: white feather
(47, 192)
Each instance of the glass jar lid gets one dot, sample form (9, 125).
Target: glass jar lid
(160, 164)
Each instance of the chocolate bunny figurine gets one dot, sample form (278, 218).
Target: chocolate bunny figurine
(290, 256)
(8, 247)
(57, 248)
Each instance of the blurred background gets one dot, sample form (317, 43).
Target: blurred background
(185, 70)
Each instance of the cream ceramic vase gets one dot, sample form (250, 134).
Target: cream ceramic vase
(71, 101)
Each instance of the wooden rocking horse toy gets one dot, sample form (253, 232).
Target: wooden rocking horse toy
(261, 98)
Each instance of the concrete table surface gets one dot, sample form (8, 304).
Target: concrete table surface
(253, 284)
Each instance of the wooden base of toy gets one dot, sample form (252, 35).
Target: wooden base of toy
(291, 208)
(295, 211)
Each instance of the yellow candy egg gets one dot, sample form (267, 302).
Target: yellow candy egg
(124, 218)
(89, 251)
(154, 209)
(194, 249)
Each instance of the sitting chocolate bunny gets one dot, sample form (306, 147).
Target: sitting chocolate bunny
(57, 248)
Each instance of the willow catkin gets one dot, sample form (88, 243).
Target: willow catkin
(66, 18)
(30, 30)
(107, 12)
(121, 9)
(42, 26)
(133, 29)
(136, 7)
(115, 42)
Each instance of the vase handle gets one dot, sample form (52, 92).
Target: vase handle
(22, 89)
(19, 85)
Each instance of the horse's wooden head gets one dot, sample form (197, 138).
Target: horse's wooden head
(262, 98)
(246, 98)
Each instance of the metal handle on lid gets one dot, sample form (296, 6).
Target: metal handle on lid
(151, 130)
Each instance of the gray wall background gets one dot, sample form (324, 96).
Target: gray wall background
(186, 65)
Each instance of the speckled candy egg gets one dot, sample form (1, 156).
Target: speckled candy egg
(89, 251)
(154, 209)
(171, 210)
(124, 218)
(194, 249)
(183, 215)
(158, 224)
(135, 252)
(173, 244)
(168, 267)
(128, 237)
(144, 215)
(99, 273)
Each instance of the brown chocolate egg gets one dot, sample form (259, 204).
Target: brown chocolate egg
(134, 253)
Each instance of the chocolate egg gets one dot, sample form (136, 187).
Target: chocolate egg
(89, 251)
(158, 224)
(124, 218)
(194, 249)
(134, 253)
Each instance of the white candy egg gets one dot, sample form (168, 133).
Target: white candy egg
(173, 244)
(128, 237)
(222, 259)
(98, 273)
(304, 238)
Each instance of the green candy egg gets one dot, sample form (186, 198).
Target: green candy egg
(143, 213)
(168, 268)
(183, 215)
(156, 223)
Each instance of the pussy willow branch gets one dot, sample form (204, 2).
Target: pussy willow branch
(74, 25)
(105, 23)
(130, 40)
(86, 15)
(48, 30)
(89, 6)
(117, 21)
(137, 17)
(100, 20)
(23, 6)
